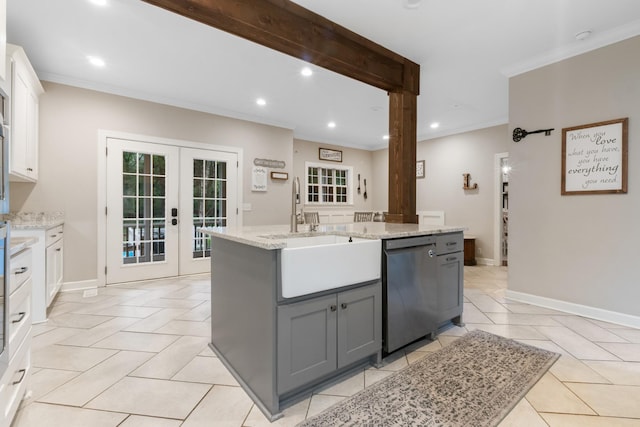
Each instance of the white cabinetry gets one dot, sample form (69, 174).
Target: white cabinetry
(25, 91)
(13, 384)
(48, 260)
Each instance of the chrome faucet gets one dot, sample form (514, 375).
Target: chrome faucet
(295, 198)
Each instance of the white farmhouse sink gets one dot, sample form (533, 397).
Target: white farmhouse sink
(318, 263)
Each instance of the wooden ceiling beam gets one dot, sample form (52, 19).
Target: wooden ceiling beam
(291, 29)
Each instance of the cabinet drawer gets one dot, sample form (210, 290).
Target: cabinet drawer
(53, 235)
(20, 316)
(447, 243)
(20, 265)
(14, 381)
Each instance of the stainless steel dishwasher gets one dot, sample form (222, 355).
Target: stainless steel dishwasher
(409, 290)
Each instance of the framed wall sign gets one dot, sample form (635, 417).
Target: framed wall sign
(258, 178)
(279, 175)
(594, 158)
(420, 169)
(331, 155)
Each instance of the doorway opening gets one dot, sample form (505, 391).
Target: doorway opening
(502, 170)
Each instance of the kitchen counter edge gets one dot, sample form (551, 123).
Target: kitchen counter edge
(274, 237)
(20, 243)
(36, 225)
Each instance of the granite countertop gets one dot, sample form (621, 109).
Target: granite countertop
(20, 243)
(35, 220)
(273, 236)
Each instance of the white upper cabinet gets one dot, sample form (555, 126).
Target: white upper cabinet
(25, 92)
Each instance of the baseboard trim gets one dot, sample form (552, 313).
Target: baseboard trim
(573, 308)
(485, 261)
(79, 286)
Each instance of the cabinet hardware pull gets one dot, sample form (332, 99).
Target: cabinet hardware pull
(58, 250)
(451, 258)
(53, 235)
(23, 372)
(451, 243)
(333, 307)
(21, 270)
(343, 305)
(20, 317)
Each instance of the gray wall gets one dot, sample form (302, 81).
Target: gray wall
(580, 249)
(69, 122)
(446, 159)
(360, 160)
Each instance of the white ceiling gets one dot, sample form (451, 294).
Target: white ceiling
(467, 49)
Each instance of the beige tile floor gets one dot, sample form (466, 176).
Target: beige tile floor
(136, 355)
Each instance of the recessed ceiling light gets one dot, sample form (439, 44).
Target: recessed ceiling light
(306, 71)
(96, 61)
(434, 125)
(412, 4)
(583, 35)
(331, 124)
(99, 2)
(261, 102)
(385, 137)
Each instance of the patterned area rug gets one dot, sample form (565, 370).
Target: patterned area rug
(475, 381)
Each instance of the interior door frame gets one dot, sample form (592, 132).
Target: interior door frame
(101, 192)
(497, 203)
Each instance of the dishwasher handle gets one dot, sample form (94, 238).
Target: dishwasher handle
(409, 242)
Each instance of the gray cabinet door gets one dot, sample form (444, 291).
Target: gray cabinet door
(450, 285)
(359, 324)
(306, 341)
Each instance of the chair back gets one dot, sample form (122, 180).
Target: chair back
(311, 218)
(362, 216)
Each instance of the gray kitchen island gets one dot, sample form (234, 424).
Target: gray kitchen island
(291, 312)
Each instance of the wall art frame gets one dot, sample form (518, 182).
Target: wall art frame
(420, 169)
(330, 155)
(594, 158)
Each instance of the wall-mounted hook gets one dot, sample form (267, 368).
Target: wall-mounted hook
(519, 133)
(466, 184)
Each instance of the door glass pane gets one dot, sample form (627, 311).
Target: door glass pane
(158, 165)
(158, 186)
(129, 185)
(209, 202)
(129, 162)
(143, 208)
(129, 207)
(198, 168)
(197, 187)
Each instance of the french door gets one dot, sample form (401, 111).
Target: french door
(157, 197)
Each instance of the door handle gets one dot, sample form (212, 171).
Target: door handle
(333, 307)
(343, 306)
(22, 373)
(174, 212)
(174, 221)
(21, 270)
(20, 317)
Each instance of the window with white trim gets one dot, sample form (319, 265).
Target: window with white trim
(327, 184)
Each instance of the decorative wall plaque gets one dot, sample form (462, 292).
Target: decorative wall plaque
(267, 163)
(594, 158)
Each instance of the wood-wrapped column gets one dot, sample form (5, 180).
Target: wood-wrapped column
(402, 157)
